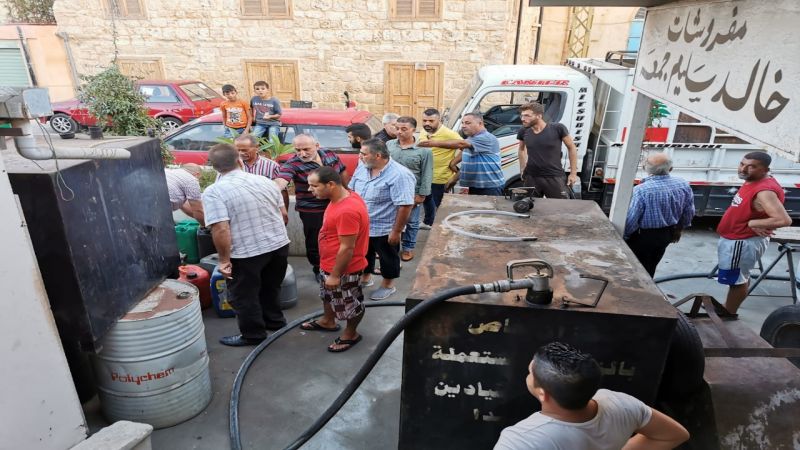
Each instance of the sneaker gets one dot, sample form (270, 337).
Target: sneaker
(383, 293)
(369, 283)
(424, 226)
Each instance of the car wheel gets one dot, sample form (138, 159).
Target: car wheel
(62, 124)
(169, 124)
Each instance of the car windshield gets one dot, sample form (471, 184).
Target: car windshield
(328, 137)
(199, 92)
(200, 138)
(454, 114)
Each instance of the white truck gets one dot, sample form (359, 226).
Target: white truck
(593, 99)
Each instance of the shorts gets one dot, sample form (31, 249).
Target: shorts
(738, 257)
(348, 300)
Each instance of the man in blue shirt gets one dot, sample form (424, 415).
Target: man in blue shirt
(388, 190)
(480, 168)
(661, 207)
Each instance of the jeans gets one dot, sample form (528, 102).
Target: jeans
(432, 202)
(270, 130)
(232, 132)
(409, 238)
(486, 191)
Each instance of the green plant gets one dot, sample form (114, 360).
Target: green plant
(271, 147)
(113, 96)
(658, 111)
(207, 178)
(31, 11)
(166, 154)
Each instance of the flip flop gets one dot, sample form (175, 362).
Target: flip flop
(314, 326)
(348, 342)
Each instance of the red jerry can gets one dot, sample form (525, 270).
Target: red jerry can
(199, 277)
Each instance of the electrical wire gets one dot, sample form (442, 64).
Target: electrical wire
(464, 232)
(59, 178)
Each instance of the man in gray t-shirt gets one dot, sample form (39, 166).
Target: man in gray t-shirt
(576, 415)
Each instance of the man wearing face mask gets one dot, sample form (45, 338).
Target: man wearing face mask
(308, 158)
(744, 231)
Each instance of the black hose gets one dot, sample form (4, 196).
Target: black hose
(373, 358)
(233, 414)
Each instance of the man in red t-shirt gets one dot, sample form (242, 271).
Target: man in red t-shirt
(343, 244)
(755, 212)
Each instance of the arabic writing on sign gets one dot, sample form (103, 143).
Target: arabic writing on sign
(472, 357)
(614, 368)
(679, 68)
(489, 327)
(443, 390)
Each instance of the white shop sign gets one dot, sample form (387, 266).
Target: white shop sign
(733, 63)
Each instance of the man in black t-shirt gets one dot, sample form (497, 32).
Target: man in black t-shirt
(540, 153)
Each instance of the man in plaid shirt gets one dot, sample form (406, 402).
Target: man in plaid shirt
(248, 224)
(308, 158)
(662, 206)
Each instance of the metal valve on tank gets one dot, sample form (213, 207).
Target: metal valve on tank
(541, 293)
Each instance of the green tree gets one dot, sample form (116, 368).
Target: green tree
(31, 11)
(113, 98)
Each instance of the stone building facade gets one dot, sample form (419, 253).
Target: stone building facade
(399, 55)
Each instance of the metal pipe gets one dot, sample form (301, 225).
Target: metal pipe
(70, 59)
(538, 35)
(26, 55)
(519, 29)
(28, 148)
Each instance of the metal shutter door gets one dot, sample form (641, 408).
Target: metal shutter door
(13, 71)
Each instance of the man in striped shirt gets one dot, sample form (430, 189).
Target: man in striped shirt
(308, 158)
(661, 207)
(252, 162)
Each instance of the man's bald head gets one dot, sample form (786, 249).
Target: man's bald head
(658, 164)
(192, 168)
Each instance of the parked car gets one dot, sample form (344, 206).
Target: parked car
(191, 142)
(172, 102)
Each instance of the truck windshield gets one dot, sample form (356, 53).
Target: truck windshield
(458, 106)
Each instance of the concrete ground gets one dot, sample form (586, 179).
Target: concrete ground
(296, 379)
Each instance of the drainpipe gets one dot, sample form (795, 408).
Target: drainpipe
(26, 55)
(28, 148)
(538, 35)
(519, 28)
(70, 59)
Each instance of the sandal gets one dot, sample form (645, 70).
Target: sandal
(315, 326)
(348, 342)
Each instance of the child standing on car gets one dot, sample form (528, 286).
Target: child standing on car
(235, 113)
(266, 110)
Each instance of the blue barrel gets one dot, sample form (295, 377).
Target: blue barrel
(219, 295)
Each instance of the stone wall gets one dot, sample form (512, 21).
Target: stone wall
(338, 45)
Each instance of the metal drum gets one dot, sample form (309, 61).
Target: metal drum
(153, 366)
(288, 296)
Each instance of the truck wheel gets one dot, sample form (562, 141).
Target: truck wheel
(782, 329)
(62, 124)
(683, 370)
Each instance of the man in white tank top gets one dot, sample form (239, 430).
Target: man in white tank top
(576, 415)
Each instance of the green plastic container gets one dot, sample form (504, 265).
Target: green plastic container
(186, 230)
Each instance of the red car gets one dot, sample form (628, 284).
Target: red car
(191, 142)
(172, 102)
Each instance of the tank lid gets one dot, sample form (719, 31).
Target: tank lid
(168, 297)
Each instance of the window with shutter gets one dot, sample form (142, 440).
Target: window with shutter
(416, 9)
(126, 9)
(271, 9)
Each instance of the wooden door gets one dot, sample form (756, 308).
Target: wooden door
(281, 75)
(411, 88)
(144, 69)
